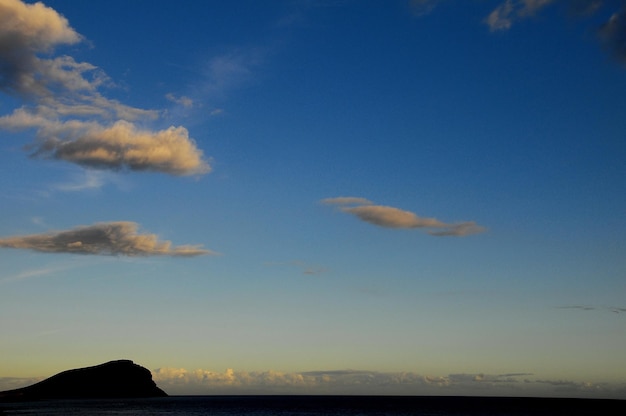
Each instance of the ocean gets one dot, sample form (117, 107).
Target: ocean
(320, 405)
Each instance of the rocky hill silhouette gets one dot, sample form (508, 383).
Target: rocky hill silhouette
(114, 379)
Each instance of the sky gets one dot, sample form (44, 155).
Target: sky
(416, 197)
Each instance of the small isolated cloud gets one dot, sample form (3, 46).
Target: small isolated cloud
(613, 35)
(182, 100)
(390, 217)
(104, 238)
(501, 18)
(89, 180)
(304, 267)
(422, 7)
(74, 122)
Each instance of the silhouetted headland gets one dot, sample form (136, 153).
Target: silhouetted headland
(115, 379)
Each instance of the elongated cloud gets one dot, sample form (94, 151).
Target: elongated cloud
(105, 238)
(202, 381)
(346, 200)
(74, 122)
(119, 146)
(390, 217)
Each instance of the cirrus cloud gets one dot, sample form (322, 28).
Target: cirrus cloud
(391, 217)
(74, 122)
(103, 238)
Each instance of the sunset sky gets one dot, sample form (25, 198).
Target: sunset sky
(422, 197)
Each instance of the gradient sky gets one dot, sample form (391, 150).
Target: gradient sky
(316, 196)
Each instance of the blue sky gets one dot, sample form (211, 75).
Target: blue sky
(399, 197)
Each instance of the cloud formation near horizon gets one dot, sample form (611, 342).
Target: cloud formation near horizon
(390, 217)
(103, 238)
(73, 121)
(201, 381)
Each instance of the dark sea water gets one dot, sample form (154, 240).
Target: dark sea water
(320, 405)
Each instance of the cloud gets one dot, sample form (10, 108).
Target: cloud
(12, 383)
(306, 268)
(201, 381)
(459, 230)
(346, 200)
(613, 309)
(89, 180)
(613, 35)
(184, 101)
(27, 29)
(74, 121)
(501, 18)
(119, 146)
(105, 238)
(390, 217)
(422, 7)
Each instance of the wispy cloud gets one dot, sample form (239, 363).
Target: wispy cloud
(502, 17)
(613, 309)
(88, 180)
(304, 267)
(105, 238)
(391, 217)
(422, 7)
(612, 33)
(31, 273)
(182, 100)
(73, 120)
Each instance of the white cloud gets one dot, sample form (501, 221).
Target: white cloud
(105, 238)
(73, 120)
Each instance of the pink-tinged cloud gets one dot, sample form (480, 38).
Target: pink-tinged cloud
(104, 238)
(391, 217)
(202, 381)
(346, 200)
(73, 120)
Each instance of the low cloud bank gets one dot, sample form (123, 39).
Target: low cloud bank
(201, 381)
(390, 217)
(104, 238)
(73, 121)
